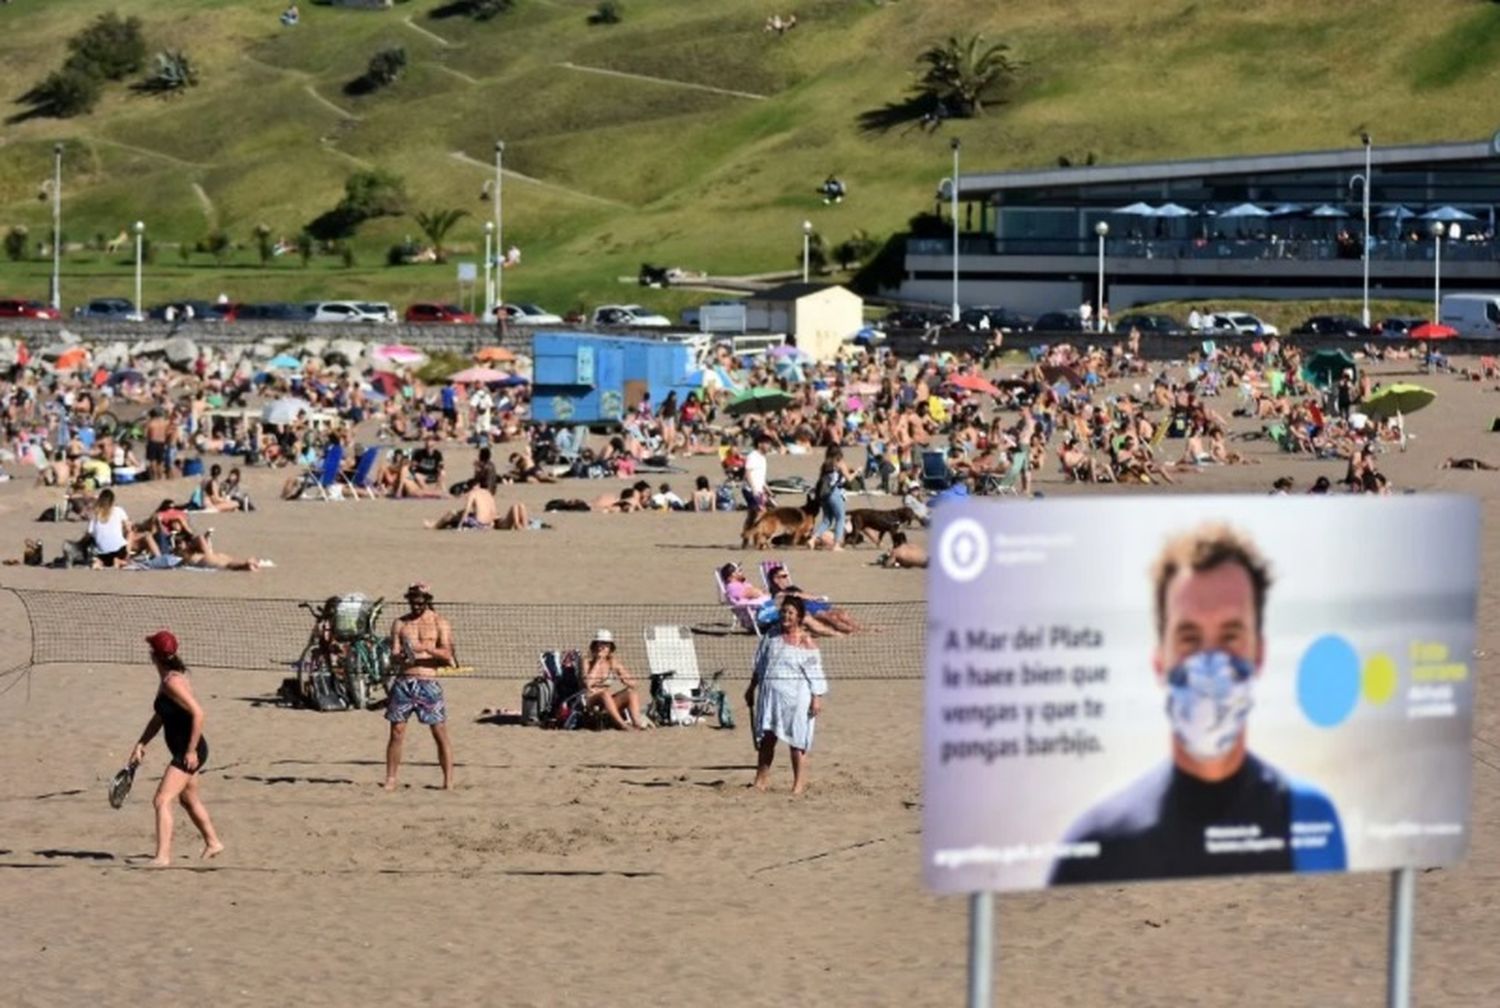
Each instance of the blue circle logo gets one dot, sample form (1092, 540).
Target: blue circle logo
(1328, 679)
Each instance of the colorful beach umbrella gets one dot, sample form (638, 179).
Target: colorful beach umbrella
(478, 376)
(1398, 398)
(973, 383)
(759, 400)
(1432, 331)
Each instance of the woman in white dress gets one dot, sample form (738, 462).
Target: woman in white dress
(786, 694)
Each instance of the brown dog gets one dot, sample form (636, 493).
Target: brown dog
(874, 524)
(792, 523)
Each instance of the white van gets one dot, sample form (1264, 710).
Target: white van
(1475, 316)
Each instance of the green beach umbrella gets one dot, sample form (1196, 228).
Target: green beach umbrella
(759, 400)
(1398, 398)
(1324, 367)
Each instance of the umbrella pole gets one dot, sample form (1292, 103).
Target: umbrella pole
(1401, 428)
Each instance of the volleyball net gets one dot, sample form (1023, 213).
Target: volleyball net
(492, 640)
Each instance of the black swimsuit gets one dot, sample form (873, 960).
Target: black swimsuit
(177, 726)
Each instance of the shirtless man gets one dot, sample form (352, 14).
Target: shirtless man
(478, 511)
(421, 643)
(158, 432)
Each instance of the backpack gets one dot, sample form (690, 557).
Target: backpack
(537, 701)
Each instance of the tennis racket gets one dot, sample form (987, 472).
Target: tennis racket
(119, 787)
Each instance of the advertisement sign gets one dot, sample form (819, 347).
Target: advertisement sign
(1134, 688)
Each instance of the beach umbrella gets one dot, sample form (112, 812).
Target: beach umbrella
(759, 400)
(284, 411)
(1326, 211)
(512, 380)
(973, 383)
(1448, 214)
(1399, 398)
(1136, 209)
(1245, 210)
(398, 353)
(71, 358)
(284, 362)
(477, 376)
(1432, 331)
(387, 383)
(1055, 373)
(1324, 367)
(1396, 213)
(1287, 209)
(126, 376)
(492, 354)
(1173, 210)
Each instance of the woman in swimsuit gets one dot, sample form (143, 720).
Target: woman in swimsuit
(177, 714)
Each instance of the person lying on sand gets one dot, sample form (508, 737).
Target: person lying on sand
(477, 511)
(198, 551)
(1467, 463)
(903, 553)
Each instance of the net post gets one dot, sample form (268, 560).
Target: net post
(1398, 962)
(981, 949)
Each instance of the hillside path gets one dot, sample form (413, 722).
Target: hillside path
(445, 43)
(150, 153)
(543, 183)
(663, 80)
(341, 112)
(210, 212)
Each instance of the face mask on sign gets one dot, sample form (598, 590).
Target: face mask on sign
(1208, 700)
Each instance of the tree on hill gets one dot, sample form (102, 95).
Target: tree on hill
(385, 68)
(962, 74)
(367, 194)
(112, 48)
(435, 225)
(62, 94)
(173, 72)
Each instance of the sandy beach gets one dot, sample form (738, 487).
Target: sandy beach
(586, 868)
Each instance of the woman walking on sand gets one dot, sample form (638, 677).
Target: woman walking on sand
(178, 716)
(786, 694)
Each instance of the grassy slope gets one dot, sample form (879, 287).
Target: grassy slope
(698, 179)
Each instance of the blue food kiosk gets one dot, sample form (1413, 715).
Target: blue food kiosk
(586, 378)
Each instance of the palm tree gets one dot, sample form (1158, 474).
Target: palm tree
(963, 74)
(435, 225)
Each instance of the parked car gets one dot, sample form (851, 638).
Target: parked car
(353, 312)
(1240, 324)
(201, 311)
(629, 315)
(119, 309)
(429, 311)
(275, 311)
(1150, 324)
(1396, 327)
(1058, 322)
(17, 308)
(1332, 325)
(525, 314)
(914, 318)
(993, 319)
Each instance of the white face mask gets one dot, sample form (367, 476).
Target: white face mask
(1208, 700)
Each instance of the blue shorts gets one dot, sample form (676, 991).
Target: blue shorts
(423, 697)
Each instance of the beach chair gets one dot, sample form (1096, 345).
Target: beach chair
(1013, 479)
(746, 616)
(680, 695)
(325, 479)
(363, 477)
(935, 472)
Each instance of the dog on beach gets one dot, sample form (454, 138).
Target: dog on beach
(874, 524)
(792, 524)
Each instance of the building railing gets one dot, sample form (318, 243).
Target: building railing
(1303, 249)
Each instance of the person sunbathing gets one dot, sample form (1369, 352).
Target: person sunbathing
(524, 470)
(477, 511)
(1467, 463)
(822, 616)
(517, 518)
(198, 551)
(903, 553)
(626, 501)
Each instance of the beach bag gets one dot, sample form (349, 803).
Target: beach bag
(536, 700)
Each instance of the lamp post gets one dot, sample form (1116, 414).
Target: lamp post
(499, 218)
(1102, 230)
(806, 247)
(1365, 237)
(953, 198)
(1437, 269)
(489, 264)
(139, 227)
(57, 152)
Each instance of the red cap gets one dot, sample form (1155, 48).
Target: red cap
(163, 643)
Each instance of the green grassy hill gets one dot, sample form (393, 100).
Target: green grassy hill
(680, 164)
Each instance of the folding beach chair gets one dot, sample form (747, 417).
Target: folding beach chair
(1014, 477)
(679, 693)
(747, 615)
(935, 472)
(363, 478)
(326, 479)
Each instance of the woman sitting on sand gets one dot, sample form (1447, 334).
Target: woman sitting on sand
(398, 480)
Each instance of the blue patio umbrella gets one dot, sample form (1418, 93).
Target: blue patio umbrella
(1448, 214)
(284, 362)
(1173, 210)
(1287, 209)
(1397, 212)
(1245, 210)
(1136, 209)
(1327, 211)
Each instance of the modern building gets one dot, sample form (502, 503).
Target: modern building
(1265, 226)
(819, 316)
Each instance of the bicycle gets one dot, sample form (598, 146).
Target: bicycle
(344, 647)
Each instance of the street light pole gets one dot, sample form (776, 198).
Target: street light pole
(499, 218)
(1365, 238)
(140, 229)
(1102, 230)
(953, 198)
(489, 264)
(806, 248)
(57, 153)
(1437, 270)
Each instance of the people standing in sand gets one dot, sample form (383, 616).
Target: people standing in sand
(785, 695)
(177, 714)
(421, 644)
(602, 668)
